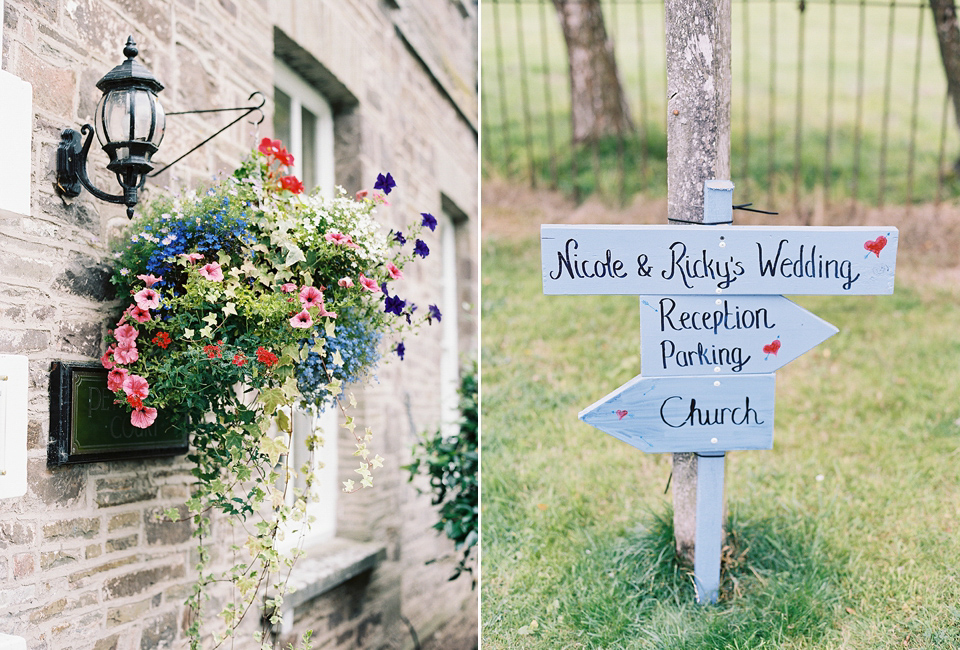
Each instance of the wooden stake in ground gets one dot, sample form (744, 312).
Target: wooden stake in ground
(698, 149)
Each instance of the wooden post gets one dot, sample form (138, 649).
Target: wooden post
(709, 536)
(698, 149)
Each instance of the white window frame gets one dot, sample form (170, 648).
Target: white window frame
(303, 95)
(322, 508)
(450, 348)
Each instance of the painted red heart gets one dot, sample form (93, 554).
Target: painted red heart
(876, 245)
(621, 414)
(773, 348)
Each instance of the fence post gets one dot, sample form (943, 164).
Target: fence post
(698, 149)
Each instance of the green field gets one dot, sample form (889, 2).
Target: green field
(770, 145)
(845, 535)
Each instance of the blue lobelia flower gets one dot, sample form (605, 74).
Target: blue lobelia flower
(420, 248)
(429, 221)
(384, 183)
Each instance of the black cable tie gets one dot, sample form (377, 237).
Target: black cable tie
(744, 207)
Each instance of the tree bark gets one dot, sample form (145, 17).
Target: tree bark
(698, 149)
(599, 105)
(948, 35)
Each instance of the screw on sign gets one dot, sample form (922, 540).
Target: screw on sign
(714, 329)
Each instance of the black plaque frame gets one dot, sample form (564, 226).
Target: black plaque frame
(65, 446)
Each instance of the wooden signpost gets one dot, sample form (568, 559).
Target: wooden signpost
(714, 328)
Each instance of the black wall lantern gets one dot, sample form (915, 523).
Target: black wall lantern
(129, 124)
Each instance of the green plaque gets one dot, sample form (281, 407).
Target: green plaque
(87, 426)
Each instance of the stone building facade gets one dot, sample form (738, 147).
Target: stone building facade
(84, 562)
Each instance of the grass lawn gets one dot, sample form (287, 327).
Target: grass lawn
(845, 535)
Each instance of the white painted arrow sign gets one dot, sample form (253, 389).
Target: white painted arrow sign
(696, 335)
(698, 414)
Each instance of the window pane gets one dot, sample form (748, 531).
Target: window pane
(309, 162)
(281, 117)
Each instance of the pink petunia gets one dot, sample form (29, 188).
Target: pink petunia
(394, 272)
(140, 315)
(362, 194)
(115, 379)
(136, 385)
(149, 279)
(345, 282)
(369, 283)
(303, 320)
(125, 354)
(338, 238)
(212, 272)
(147, 299)
(325, 313)
(143, 418)
(310, 297)
(126, 334)
(288, 287)
(192, 257)
(105, 360)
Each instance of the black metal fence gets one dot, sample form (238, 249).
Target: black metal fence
(845, 100)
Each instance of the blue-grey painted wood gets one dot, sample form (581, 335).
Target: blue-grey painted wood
(724, 260)
(717, 202)
(696, 335)
(700, 413)
(709, 535)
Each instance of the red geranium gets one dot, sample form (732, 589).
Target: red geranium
(239, 359)
(270, 147)
(266, 357)
(291, 183)
(213, 351)
(162, 339)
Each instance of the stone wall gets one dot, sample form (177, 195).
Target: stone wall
(84, 563)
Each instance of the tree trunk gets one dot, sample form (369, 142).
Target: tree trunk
(599, 106)
(948, 34)
(698, 149)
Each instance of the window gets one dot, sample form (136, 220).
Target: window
(303, 121)
(449, 309)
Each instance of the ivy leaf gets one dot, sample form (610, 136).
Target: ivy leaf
(283, 420)
(273, 448)
(272, 398)
(229, 308)
(206, 332)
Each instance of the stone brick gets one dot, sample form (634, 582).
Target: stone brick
(36, 435)
(59, 84)
(123, 520)
(160, 530)
(24, 565)
(159, 632)
(126, 613)
(109, 643)
(122, 543)
(129, 489)
(24, 341)
(49, 611)
(79, 337)
(15, 533)
(59, 487)
(92, 551)
(86, 277)
(54, 559)
(81, 527)
(107, 566)
(137, 582)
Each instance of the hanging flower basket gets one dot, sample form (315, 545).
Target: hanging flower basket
(289, 296)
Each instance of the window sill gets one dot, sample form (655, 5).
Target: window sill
(327, 565)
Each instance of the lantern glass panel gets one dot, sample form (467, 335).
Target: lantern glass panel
(113, 117)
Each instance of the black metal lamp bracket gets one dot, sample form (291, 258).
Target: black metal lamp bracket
(247, 110)
(72, 169)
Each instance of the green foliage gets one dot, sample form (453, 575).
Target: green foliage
(452, 465)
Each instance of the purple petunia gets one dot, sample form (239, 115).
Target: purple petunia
(420, 248)
(434, 313)
(399, 238)
(394, 305)
(429, 221)
(384, 183)
(400, 350)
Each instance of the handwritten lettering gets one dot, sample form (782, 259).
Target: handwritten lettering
(705, 417)
(687, 268)
(814, 266)
(567, 262)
